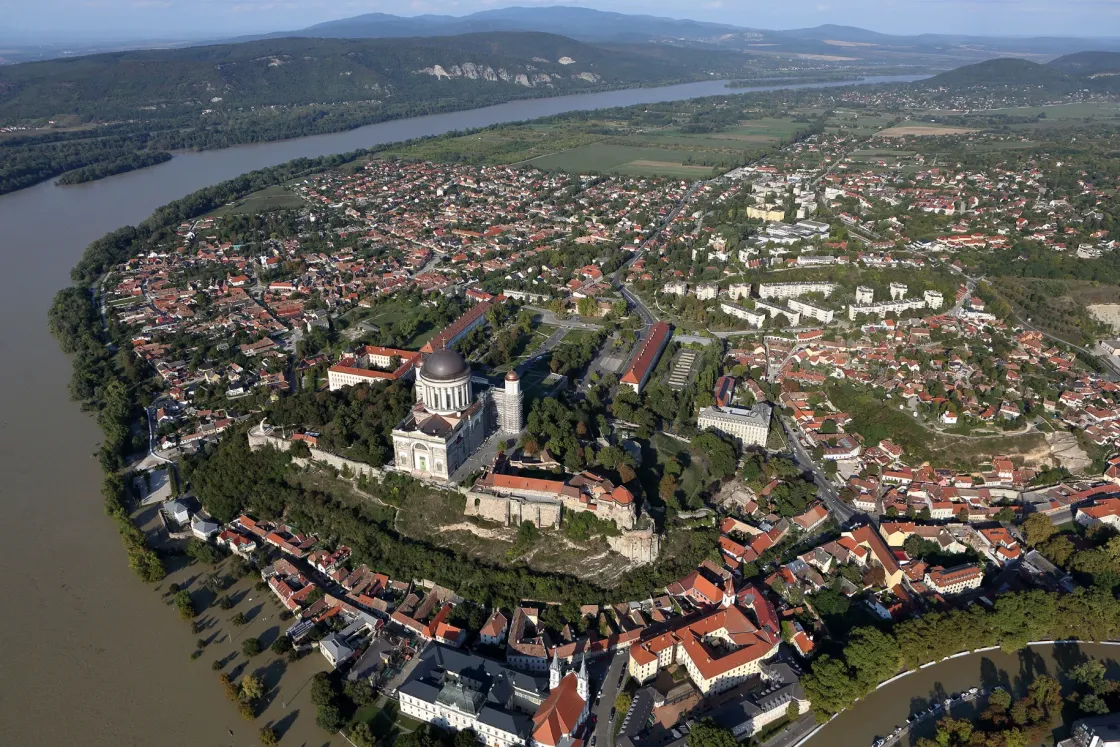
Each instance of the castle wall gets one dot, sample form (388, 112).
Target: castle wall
(640, 546)
(258, 440)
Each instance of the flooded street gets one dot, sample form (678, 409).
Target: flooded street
(880, 712)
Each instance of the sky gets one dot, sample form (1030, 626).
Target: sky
(51, 20)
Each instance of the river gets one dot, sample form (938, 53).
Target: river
(880, 712)
(87, 652)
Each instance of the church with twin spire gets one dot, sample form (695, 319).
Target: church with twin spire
(505, 707)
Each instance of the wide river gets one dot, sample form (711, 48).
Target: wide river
(88, 655)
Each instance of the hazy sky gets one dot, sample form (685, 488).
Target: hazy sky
(216, 18)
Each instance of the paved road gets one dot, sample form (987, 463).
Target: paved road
(647, 316)
(648, 319)
(608, 689)
(693, 338)
(841, 511)
(793, 733)
(549, 317)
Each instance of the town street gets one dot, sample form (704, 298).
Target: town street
(841, 511)
(608, 691)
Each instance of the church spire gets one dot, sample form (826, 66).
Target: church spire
(554, 672)
(583, 685)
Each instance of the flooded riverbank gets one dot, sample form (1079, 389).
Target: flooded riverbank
(878, 714)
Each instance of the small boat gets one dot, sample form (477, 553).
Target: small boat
(974, 691)
(879, 742)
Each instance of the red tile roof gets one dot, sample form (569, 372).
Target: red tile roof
(647, 356)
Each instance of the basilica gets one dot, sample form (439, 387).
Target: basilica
(449, 421)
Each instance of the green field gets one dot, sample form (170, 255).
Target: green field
(624, 159)
(540, 333)
(532, 380)
(393, 312)
(270, 198)
(1104, 109)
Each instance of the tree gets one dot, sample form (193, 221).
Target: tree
(247, 709)
(622, 703)
(252, 687)
(465, 738)
(323, 689)
(251, 647)
(829, 686)
(239, 619)
(706, 734)
(362, 736)
(626, 473)
(828, 427)
(719, 454)
(282, 645)
(361, 692)
(875, 576)
(1037, 528)
(270, 737)
(873, 657)
(185, 605)
(1093, 704)
(329, 718)
(1058, 549)
(667, 488)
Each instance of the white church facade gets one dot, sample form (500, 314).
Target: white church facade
(449, 422)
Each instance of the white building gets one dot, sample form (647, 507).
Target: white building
(865, 296)
(735, 291)
(898, 291)
(449, 423)
(792, 317)
(750, 317)
(707, 291)
(954, 580)
(675, 289)
(933, 299)
(749, 427)
(882, 309)
(794, 289)
(813, 312)
(506, 708)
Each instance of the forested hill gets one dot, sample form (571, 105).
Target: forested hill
(90, 117)
(1094, 71)
(304, 71)
(1003, 72)
(1088, 64)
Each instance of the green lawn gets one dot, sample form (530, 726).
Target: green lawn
(660, 451)
(624, 159)
(533, 379)
(270, 198)
(385, 720)
(528, 349)
(395, 311)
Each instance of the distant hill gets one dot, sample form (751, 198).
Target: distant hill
(1088, 64)
(1004, 72)
(580, 23)
(304, 71)
(586, 24)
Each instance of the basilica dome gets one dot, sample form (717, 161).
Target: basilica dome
(444, 365)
